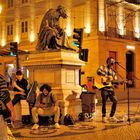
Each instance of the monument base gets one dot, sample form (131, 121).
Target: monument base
(59, 69)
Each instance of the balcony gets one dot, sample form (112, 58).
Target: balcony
(112, 32)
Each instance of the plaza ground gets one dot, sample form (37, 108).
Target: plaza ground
(95, 129)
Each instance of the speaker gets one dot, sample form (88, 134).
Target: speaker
(84, 55)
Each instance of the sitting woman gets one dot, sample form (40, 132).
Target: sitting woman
(46, 105)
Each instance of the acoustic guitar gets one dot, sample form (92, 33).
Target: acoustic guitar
(105, 81)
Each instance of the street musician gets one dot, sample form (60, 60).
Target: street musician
(108, 78)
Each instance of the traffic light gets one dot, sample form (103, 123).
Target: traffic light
(78, 37)
(13, 48)
(83, 54)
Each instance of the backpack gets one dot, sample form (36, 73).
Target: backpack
(68, 120)
(31, 97)
(81, 117)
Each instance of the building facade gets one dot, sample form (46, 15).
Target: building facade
(111, 28)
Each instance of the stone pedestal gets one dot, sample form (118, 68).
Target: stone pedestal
(60, 69)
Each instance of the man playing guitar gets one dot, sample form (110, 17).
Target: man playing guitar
(107, 88)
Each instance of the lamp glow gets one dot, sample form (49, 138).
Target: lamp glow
(87, 18)
(87, 29)
(130, 47)
(17, 39)
(136, 25)
(32, 37)
(0, 9)
(101, 16)
(120, 20)
(3, 42)
(68, 29)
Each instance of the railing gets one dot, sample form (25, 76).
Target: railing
(112, 32)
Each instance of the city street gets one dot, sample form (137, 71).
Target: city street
(66, 57)
(122, 130)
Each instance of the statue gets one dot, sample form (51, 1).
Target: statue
(51, 35)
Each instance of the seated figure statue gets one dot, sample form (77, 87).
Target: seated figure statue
(51, 35)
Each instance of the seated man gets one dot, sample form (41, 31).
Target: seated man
(45, 105)
(19, 87)
(5, 98)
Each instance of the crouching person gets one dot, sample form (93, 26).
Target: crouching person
(45, 105)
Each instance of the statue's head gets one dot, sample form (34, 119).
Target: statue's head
(62, 11)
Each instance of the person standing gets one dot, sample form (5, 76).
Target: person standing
(19, 87)
(46, 105)
(108, 75)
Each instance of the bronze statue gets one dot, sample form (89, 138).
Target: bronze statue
(51, 35)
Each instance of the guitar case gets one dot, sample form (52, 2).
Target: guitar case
(31, 97)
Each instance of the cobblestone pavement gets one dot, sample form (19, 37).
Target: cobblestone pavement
(87, 130)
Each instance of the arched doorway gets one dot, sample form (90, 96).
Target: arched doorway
(130, 67)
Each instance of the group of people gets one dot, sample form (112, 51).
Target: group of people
(45, 104)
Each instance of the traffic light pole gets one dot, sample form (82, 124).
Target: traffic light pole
(15, 46)
(77, 41)
(17, 61)
(80, 68)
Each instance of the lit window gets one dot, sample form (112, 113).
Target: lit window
(10, 29)
(10, 3)
(24, 26)
(24, 1)
(0, 9)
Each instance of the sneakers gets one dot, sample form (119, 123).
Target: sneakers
(104, 119)
(57, 126)
(35, 126)
(113, 119)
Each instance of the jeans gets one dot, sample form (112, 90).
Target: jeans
(105, 94)
(17, 98)
(45, 112)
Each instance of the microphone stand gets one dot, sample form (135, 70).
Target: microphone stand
(128, 92)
